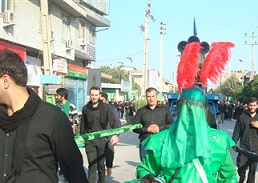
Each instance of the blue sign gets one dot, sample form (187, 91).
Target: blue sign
(50, 79)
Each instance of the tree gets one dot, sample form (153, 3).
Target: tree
(231, 87)
(250, 90)
(116, 73)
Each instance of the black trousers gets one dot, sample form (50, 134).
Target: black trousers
(243, 163)
(110, 152)
(95, 150)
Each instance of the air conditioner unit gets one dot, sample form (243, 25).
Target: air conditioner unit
(8, 16)
(68, 44)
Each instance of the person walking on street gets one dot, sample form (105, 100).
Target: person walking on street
(62, 100)
(246, 132)
(95, 117)
(154, 118)
(35, 135)
(222, 108)
(109, 149)
(120, 109)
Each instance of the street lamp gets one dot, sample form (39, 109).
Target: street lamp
(243, 77)
(130, 58)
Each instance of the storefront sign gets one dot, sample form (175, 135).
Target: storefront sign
(125, 86)
(60, 65)
(76, 75)
(51, 89)
(77, 71)
(50, 79)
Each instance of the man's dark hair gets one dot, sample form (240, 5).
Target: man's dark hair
(95, 88)
(62, 92)
(150, 89)
(104, 95)
(12, 65)
(252, 100)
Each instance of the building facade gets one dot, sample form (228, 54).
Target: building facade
(56, 40)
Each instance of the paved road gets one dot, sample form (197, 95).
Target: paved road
(127, 157)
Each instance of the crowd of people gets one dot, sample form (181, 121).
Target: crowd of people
(124, 108)
(37, 137)
(230, 110)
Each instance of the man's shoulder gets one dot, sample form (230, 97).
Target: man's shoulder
(140, 110)
(49, 110)
(143, 107)
(244, 115)
(220, 137)
(67, 103)
(162, 106)
(48, 106)
(112, 106)
(106, 106)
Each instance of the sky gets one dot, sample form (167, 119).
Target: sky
(216, 20)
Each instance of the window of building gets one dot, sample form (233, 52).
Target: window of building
(92, 35)
(65, 28)
(81, 29)
(7, 5)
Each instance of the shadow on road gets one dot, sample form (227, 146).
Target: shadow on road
(110, 179)
(132, 163)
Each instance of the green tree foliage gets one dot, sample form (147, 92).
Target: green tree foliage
(116, 73)
(249, 90)
(231, 87)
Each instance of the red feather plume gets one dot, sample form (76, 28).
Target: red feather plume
(215, 61)
(188, 66)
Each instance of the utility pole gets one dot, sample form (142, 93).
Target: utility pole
(162, 32)
(144, 28)
(47, 55)
(254, 43)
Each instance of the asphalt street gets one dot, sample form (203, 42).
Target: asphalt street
(127, 156)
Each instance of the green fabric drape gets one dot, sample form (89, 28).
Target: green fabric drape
(190, 131)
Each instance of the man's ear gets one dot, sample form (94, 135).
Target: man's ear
(6, 81)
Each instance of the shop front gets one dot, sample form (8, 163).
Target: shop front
(75, 82)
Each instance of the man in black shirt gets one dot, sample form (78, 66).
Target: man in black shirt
(246, 131)
(153, 117)
(96, 116)
(35, 136)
